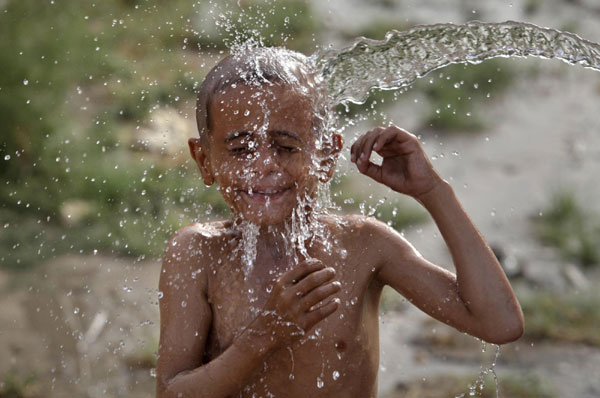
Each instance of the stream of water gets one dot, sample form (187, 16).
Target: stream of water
(403, 57)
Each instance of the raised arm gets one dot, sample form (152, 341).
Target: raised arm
(186, 319)
(478, 299)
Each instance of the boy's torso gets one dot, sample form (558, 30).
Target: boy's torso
(339, 356)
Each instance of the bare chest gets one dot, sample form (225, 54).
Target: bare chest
(237, 298)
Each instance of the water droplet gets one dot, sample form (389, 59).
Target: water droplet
(335, 375)
(183, 304)
(25, 82)
(7, 157)
(76, 310)
(320, 383)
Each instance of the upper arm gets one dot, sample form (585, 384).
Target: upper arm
(428, 286)
(185, 314)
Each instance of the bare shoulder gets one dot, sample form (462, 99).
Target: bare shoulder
(367, 227)
(375, 237)
(191, 245)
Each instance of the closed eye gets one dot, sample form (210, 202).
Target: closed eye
(287, 148)
(284, 147)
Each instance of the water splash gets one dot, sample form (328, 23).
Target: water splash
(403, 57)
(478, 385)
(247, 245)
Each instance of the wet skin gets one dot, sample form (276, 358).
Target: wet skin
(261, 151)
(309, 329)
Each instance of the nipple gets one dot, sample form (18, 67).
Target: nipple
(340, 345)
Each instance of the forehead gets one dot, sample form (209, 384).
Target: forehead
(248, 105)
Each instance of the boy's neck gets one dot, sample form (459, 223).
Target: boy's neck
(289, 239)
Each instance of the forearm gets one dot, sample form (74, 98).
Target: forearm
(225, 375)
(481, 283)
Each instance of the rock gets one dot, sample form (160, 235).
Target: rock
(166, 133)
(574, 276)
(75, 210)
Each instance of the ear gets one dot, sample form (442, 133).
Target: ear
(330, 156)
(199, 154)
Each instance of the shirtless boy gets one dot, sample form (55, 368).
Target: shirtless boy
(300, 318)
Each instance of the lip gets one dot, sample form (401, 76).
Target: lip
(264, 195)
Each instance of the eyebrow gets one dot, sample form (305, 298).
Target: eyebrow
(240, 134)
(287, 134)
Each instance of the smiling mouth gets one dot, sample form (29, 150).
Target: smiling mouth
(266, 195)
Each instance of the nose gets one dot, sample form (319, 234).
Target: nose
(266, 160)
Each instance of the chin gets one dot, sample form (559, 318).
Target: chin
(266, 217)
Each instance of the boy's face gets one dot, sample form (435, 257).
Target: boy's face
(262, 150)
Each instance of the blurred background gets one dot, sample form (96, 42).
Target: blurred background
(96, 105)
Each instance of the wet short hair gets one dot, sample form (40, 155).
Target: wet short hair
(258, 66)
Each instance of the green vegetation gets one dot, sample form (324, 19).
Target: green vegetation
(510, 385)
(531, 7)
(13, 385)
(288, 23)
(79, 80)
(572, 317)
(574, 231)
(456, 92)
(145, 357)
(391, 300)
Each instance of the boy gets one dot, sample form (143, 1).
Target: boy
(282, 300)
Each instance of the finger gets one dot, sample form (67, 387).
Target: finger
(367, 146)
(403, 137)
(299, 272)
(320, 313)
(372, 170)
(357, 148)
(319, 294)
(313, 280)
(384, 138)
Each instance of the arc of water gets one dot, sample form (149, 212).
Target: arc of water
(403, 57)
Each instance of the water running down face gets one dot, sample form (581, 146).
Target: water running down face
(262, 150)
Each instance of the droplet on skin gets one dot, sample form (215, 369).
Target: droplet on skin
(320, 383)
(335, 375)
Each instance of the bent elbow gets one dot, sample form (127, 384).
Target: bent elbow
(507, 333)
